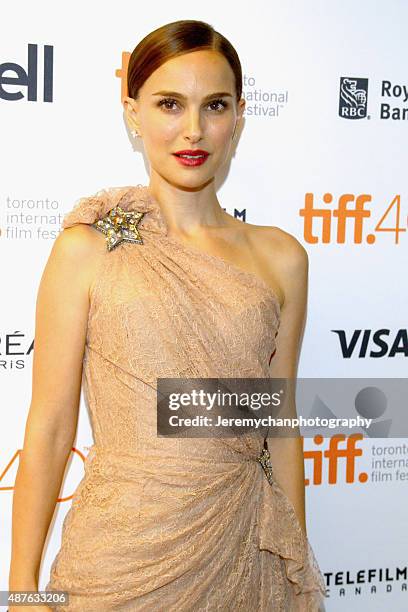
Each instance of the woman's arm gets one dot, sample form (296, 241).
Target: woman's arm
(287, 453)
(60, 331)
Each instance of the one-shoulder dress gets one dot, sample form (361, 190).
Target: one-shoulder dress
(159, 523)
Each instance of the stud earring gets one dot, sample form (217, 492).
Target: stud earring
(135, 133)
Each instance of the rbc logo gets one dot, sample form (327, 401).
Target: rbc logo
(353, 98)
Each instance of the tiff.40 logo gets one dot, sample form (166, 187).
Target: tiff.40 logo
(349, 212)
(342, 451)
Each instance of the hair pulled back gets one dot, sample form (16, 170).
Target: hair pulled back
(174, 39)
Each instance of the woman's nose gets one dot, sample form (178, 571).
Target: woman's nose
(193, 127)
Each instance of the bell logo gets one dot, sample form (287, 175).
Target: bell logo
(28, 77)
(353, 98)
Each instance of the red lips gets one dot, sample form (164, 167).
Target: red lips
(192, 152)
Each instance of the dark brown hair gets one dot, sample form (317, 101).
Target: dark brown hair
(172, 40)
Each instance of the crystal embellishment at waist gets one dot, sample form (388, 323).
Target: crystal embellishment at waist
(264, 460)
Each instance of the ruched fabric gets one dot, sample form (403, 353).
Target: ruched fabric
(175, 524)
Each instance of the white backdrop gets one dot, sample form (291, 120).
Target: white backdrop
(64, 136)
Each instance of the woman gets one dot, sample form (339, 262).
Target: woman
(168, 286)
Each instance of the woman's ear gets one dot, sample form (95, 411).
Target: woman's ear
(241, 108)
(131, 114)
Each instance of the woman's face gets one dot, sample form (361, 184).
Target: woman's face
(179, 107)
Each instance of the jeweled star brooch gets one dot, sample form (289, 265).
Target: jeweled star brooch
(120, 226)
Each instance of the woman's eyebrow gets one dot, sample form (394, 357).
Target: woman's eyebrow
(175, 94)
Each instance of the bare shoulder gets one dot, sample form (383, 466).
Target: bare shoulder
(285, 256)
(80, 247)
(287, 244)
(82, 236)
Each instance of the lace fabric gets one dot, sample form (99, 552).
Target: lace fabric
(164, 523)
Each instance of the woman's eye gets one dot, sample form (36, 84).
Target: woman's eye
(167, 103)
(215, 105)
(221, 104)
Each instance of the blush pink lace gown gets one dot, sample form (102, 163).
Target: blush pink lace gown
(175, 525)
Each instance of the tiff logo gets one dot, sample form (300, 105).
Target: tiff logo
(357, 213)
(328, 460)
(353, 98)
